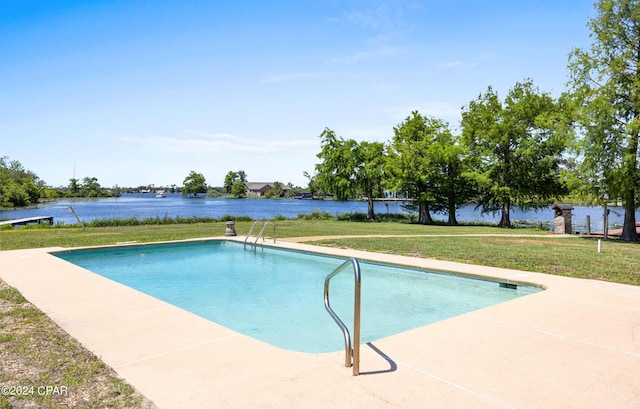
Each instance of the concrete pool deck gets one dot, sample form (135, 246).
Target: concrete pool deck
(574, 345)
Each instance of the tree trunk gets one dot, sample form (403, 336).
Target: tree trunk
(629, 232)
(370, 213)
(505, 220)
(452, 212)
(424, 216)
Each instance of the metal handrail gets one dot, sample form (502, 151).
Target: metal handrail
(264, 227)
(250, 230)
(261, 233)
(352, 354)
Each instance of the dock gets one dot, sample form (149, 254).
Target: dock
(28, 220)
(614, 232)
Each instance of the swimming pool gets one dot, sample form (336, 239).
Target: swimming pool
(276, 295)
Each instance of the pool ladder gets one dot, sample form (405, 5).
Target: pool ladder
(352, 354)
(262, 231)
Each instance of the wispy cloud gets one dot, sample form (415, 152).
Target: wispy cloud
(384, 21)
(204, 142)
(380, 15)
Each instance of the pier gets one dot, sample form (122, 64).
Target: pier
(28, 220)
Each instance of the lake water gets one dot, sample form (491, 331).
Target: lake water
(175, 205)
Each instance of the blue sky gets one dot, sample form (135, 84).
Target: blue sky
(143, 92)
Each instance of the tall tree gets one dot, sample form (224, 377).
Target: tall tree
(229, 179)
(517, 147)
(453, 184)
(194, 183)
(409, 165)
(350, 168)
(370, 159)
(426, 161)
(74, 187)
(605, 84)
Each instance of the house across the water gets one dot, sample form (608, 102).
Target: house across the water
(261, 188)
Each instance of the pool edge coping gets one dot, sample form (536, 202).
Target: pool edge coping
(560, 287)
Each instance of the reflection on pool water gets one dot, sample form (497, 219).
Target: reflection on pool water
(276, 295)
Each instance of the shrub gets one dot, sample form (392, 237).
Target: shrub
(316, 215)
(353, 217)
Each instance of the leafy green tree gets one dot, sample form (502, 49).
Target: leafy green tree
(516, 146)
(336, 171)
(409, 165)
(90, 187)
(13, 195)
(605, 85)
(18, 186)
(453, 183)
(50, 193)
(276, 191)
(371, 159)
(239, 189)
(231, 177)
(426, 161)
(32, 189)
(350, 168)
(194, 183)
(74, 187)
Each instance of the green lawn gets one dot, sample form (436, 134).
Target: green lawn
(572, 257)
(538, 250)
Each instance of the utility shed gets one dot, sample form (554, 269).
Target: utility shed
(562, 219)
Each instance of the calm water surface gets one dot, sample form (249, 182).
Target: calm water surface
(175, 205)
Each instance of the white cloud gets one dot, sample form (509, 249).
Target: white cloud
(203, 142)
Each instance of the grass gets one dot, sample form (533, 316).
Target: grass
(39, 236)
(572, 256)
(35, 354)
(533, 249)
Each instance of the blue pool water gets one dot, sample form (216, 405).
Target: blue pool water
(277, 296)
